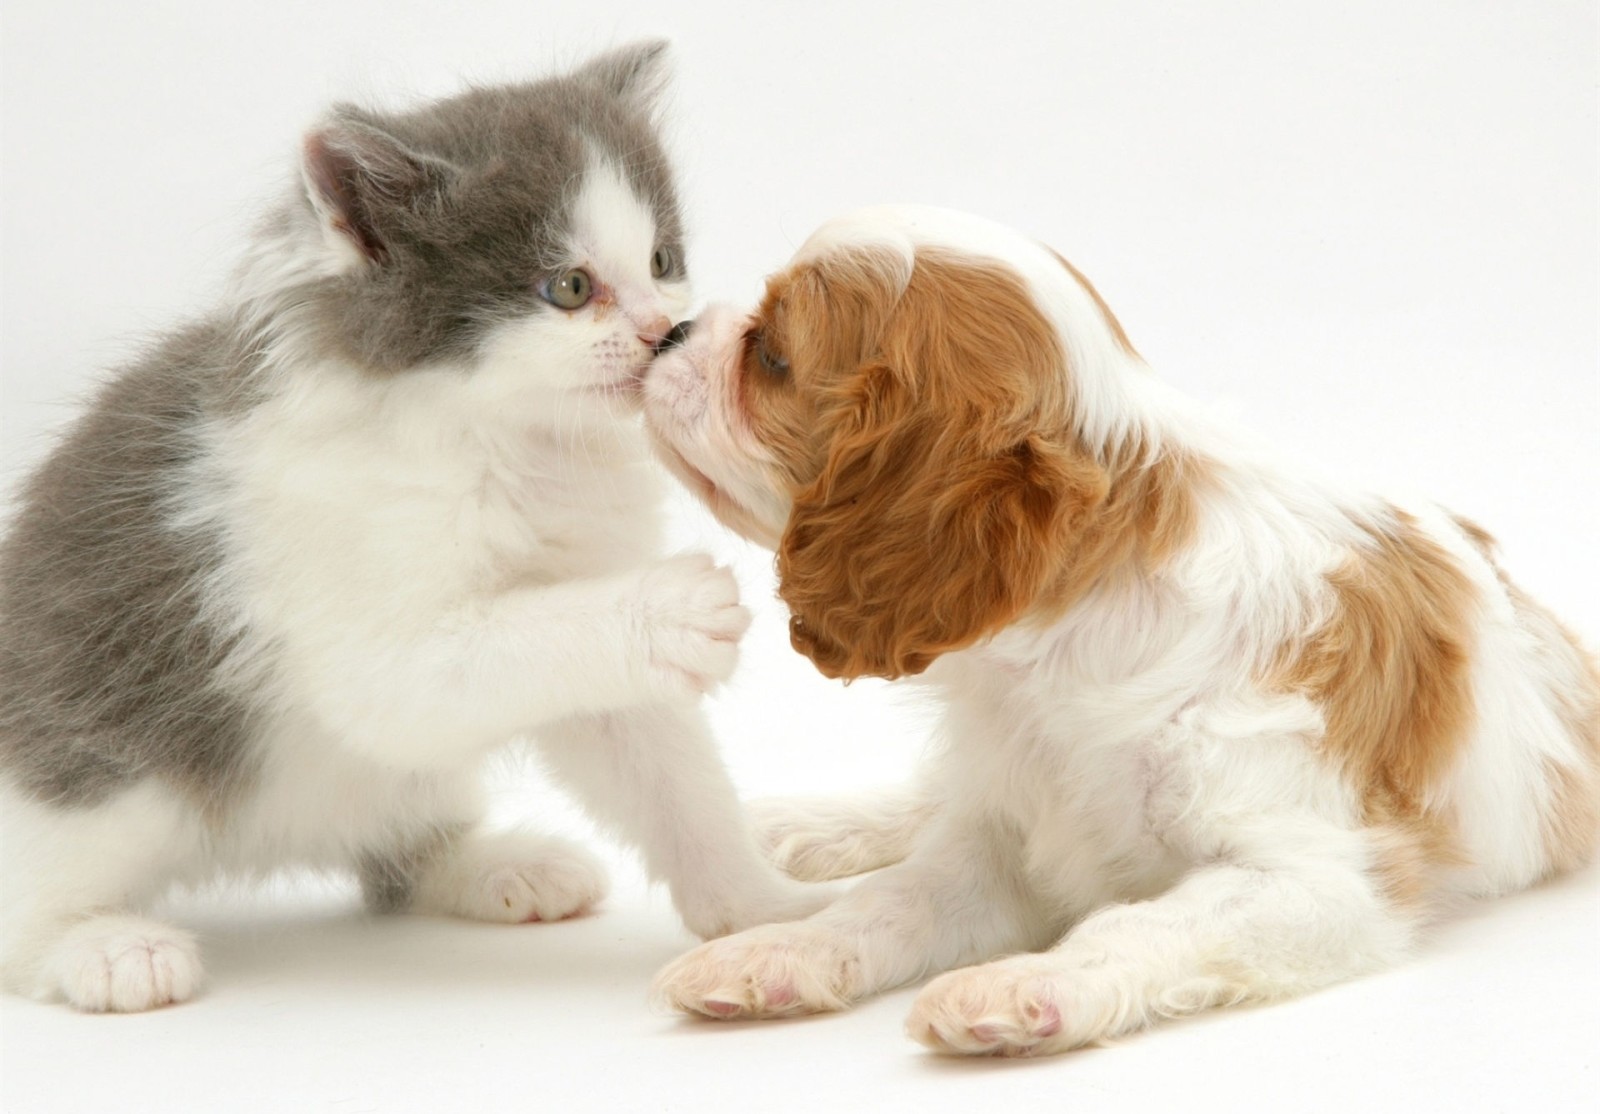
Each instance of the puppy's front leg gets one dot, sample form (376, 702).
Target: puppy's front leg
(653, 775)
(1264, 922)
(958, 898)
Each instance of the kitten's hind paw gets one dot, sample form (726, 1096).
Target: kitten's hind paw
(513, 878)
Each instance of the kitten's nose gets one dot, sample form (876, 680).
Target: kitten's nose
(653, 334)
(676, 336)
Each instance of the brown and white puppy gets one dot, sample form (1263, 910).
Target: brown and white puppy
(1216, 731)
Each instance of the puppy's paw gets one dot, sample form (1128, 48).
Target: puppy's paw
(691, 622)
(1016, 1008)
(773, 971)
(124, 964)
(513, 878)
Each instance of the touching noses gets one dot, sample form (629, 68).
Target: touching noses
(674, 336)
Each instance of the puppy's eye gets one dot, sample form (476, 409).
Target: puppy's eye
(663, 262)
(571, 290)
(770, 362)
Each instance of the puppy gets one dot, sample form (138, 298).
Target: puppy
(1214, 731)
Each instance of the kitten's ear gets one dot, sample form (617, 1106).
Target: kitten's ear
(638, 72)
(359, 179)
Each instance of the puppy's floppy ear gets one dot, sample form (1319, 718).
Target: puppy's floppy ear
(363, 182)
(950, 488)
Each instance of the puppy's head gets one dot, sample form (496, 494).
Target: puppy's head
(898, 420)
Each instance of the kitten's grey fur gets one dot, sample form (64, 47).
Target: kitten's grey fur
(107, 666)
(299, 569)
(108, 663)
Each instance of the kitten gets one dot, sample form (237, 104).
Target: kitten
(301, 568)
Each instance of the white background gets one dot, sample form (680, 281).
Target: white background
(1369, 228)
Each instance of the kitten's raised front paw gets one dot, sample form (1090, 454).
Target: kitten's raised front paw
(513, 878)
(1013, 1008)
(692, 622)
(123, 964)
(780, 970)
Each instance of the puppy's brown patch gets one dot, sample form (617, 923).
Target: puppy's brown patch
(1572, 811)
(1149, 514)
(1389, 668)
(1410, 853)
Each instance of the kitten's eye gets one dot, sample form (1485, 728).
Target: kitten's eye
(663, 262)
(569, 291)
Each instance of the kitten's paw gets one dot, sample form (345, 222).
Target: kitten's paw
(773, 971)
(513, 878)
(777, 901)
(806, 843)
(1006, 1008)
(692, 622)
(123, 964)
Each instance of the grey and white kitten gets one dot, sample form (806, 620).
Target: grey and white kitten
(299, 570)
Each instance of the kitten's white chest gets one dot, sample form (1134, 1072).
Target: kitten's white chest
(385, 510)
(546, 517)
(356, 519)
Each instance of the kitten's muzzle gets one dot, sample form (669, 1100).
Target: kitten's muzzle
(675, 336)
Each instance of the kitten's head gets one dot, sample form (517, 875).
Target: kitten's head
(529, 233)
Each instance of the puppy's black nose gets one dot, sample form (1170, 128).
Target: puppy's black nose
(679, 334)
